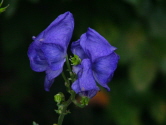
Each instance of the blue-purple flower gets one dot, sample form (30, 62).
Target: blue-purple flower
(48, 50)
(99, 61)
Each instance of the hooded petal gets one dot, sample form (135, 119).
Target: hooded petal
(104, 67)
(54, 54)
(38, 62)
(94, 45)
(60, 30)
(77, 50)
(49, 79)
(58, 33)
(85, 85)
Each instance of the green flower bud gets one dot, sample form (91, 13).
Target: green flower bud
(84, 100)
(75, 60)
(59, 98)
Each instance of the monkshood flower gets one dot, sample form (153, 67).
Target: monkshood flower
(99, 61)
(48, 50)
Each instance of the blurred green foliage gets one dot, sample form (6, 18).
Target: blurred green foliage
(138, 90)
(2, 9)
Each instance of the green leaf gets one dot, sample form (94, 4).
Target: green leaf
(4, 8)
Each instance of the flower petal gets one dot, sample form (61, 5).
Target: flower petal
(37, 60)
(76, 69)
(54, 54)
(77, 50)
(75, 86)
(104, 67)
(50, 76)
(48, 83)
(60, 30)
(48, 51)
(94, 45)
(85, 85)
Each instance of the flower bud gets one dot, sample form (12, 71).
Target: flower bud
(75, 60)
(59, 98)
(84, 100)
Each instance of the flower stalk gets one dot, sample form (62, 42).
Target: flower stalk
(62, 109)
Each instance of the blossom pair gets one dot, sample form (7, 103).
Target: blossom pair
(48, 53)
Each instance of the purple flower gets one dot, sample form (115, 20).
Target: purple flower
(48, 50)
(99, 61)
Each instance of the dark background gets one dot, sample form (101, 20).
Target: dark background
(138, 90)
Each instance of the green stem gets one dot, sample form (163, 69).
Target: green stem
(64, 110)
(69, 67)
(64, 77)
(61, 117)
(72, 96)
(68, 64)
